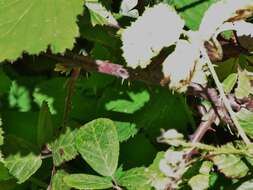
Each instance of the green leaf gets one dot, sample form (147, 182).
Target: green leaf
(57, 181)
(63, 148)
(229, 83)
(32, 25)
(245, 118)
(85, 181)
(247, 185)
(1, 134)
(199, 182)
(22, 167)
(4, 173)
(45, 126)
(231, 165)
(5, 82)
(19, 97)
(97, 141)
(192, 11)
(99, 14)
(139, 47)
(125, 130)
(134, 178)
(137, 100)
(244, 85)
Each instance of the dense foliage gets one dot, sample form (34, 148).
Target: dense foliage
(130, 94)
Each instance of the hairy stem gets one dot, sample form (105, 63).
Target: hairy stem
(70, 92)
(224, 98)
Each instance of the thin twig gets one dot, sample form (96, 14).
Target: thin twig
(224, 98)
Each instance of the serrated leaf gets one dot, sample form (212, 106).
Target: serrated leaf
(226, 9)
(99, 14)
(247, 185)
(181, 65)
(57, 181)
(192, 11)
(97, 141)
(32, 25)
(229, 83)
(125, 130)
(244, 85)
(63, 148)
(231, 165)
(45, 125)
(22, 167)
(127, 8)
(245, 118)
(243, 28)
(19, 97)
(85, 181)
(199, 182)
(139, 47)
(134, 178)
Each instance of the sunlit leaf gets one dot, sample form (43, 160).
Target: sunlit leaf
(63, 148)
(146, 37)
(99, 14)
(231, 165)
(22, 167)
(129, 105)
(97, 141)
(33, 25)
(229, 83)
(247, 185)
(245, 118)
(192, 11)
(19, 97)
(226, 9)
(244, 85)
(180, 66)
(85, 181)
(134, 178)
(199, 182)
(125, 130)
(127, 8)
(57, 181)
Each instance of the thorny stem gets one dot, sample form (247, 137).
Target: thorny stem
(224, 98)
(204, 126)
(70, 92)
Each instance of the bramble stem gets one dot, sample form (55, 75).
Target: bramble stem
(224, 98)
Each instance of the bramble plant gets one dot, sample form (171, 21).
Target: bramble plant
(130, 94)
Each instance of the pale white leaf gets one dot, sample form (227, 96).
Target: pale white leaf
(151, 32)
(218, 13)
(180, 65)
(127, 8)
